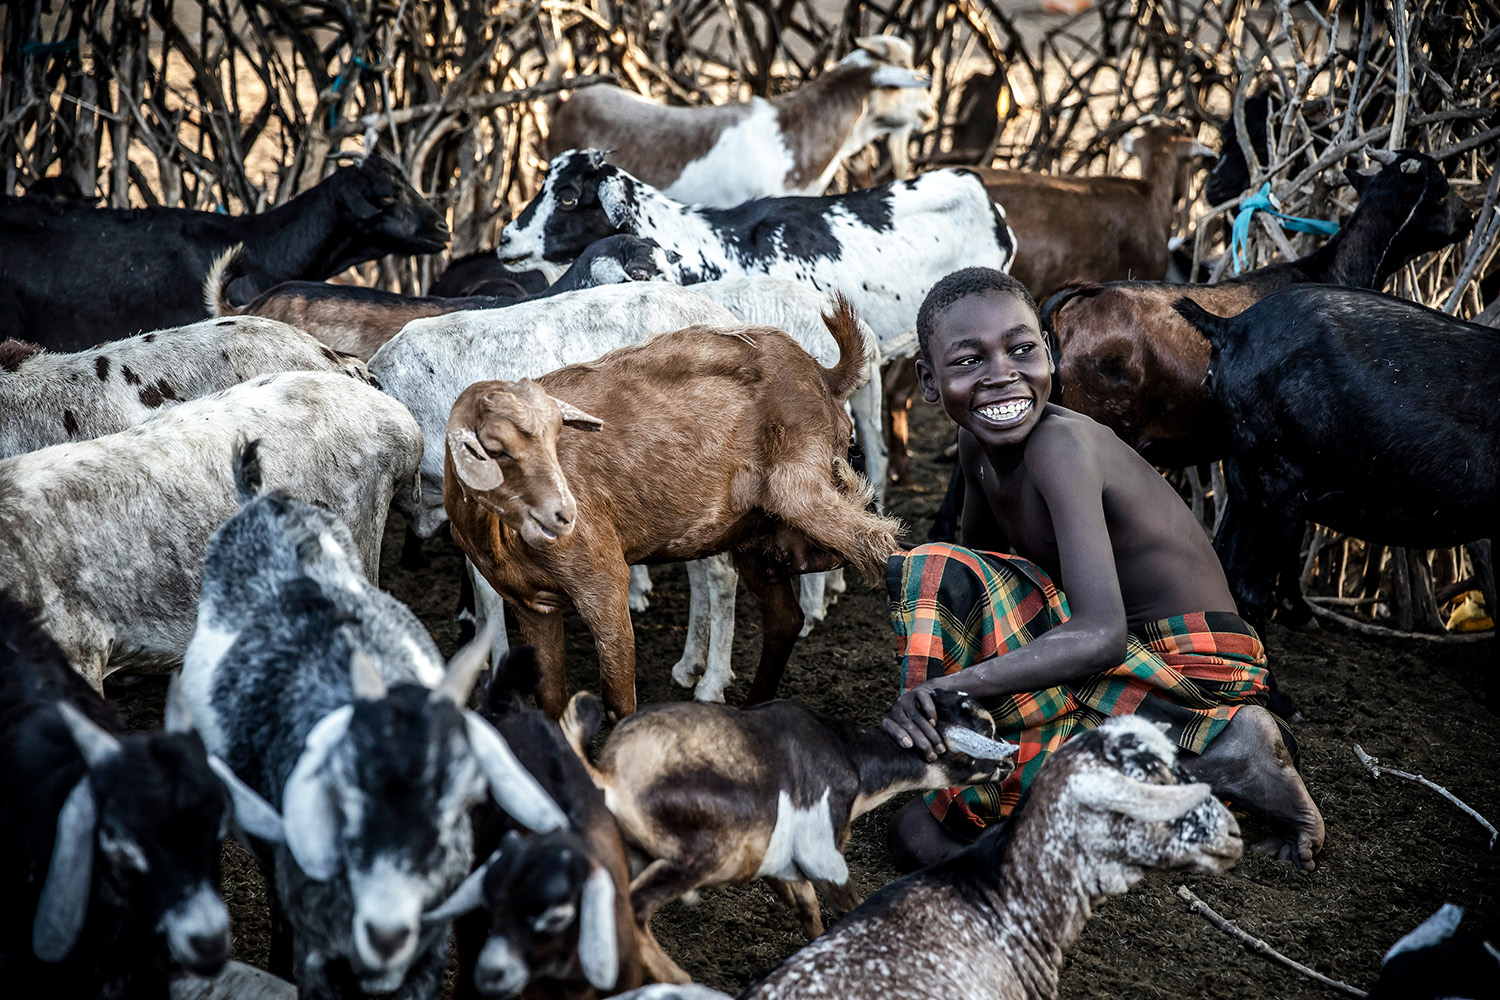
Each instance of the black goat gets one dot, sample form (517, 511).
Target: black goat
(553, 908)
(482, 274)
(1357, 410)
(73, 275)
(111, 840)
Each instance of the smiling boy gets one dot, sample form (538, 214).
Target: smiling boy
(1116, 604)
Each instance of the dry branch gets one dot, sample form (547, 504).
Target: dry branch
(1373, 765)
(1258, 946)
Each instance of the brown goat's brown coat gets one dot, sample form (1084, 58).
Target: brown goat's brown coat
(712, 440)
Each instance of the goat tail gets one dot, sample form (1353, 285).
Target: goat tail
(226, 268)
(856, 349)
(1213, 327)
(580, 722)
(247, 473)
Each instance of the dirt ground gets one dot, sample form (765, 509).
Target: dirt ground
(1395, 851)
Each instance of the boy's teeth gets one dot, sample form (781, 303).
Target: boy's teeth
(1006, 411)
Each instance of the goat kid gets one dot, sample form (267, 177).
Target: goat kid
(790, 145)
(997, 919)
(63, 286)
(106, 537)
(718, 796)
(360, 320)
(112, 838)
(48, 399)
(556, 905)
(551, 519)
(324, 693)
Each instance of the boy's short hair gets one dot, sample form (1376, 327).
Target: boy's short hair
(960, 285)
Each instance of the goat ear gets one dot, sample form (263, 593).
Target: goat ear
(900, 76)
(575, 418)
(92, 741)
(598, 947)
(1436, 929)
(598, 156)
(966, 741)
(364, 677)
(511, 785)
(64, 902)
(1198, 149)
(309, 816)
(253, 815)
(1108, 790)
(1357, 179)
(471, 462)
(468, 897)
(1127, 144)
(465, 667)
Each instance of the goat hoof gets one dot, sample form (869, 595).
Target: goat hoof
(639, 602)
(685, 674)
(714, 694)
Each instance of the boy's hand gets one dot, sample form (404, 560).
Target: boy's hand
(912, 722)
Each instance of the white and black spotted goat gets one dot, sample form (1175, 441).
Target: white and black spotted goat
(721, 795)
(883, 247)
(111, 839)
(325, 694)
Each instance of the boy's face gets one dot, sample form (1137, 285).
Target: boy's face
(990, 368)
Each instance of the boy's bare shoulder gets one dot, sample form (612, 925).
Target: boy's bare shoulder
(1062, 428)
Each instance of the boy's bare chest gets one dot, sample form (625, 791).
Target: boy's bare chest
(1021, 514)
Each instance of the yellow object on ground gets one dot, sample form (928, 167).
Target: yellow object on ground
(1470, 615)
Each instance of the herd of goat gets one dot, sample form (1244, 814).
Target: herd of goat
(210, 497)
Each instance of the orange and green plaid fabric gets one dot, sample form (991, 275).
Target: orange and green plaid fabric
(953, 607)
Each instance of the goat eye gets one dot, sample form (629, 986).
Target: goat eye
(569, 202)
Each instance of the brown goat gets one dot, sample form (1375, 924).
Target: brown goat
(1096, 228)
(1128, 360)
(711, 440)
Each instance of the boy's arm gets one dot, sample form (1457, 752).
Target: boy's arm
(1065, 471)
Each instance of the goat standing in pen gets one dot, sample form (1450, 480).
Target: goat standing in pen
(325, 694)
(761, 425)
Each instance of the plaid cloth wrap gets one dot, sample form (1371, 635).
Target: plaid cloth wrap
(953, 607)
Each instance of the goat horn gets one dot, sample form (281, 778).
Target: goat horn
(92, 741)
(1108, 790)
(979, 747)
(465, 667)
(1385, 157)
(179, 716)
(598, 946)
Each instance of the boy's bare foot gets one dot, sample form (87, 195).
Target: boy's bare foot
(1249, 764)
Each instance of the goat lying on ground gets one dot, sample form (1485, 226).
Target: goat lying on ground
(1361, 411)
(111, 839)
(360, 320)
(718, 796)
(106, 537)
(557, 905)
(1125, 358)
(325, 694)
(790, 145)
(63, 286)
(759, 423)
(47, 399)
(997, 919)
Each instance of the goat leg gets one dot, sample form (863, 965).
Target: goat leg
(803, 901)
(780, 619)
(657, 963)
(843, 895)
(544, 630)
(605, 606)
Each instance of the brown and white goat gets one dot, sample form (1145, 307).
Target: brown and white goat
(710, 440)
(719, 796)
(791, 145)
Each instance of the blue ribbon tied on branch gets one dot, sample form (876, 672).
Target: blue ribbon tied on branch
(338, 85)
(1261, 201)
